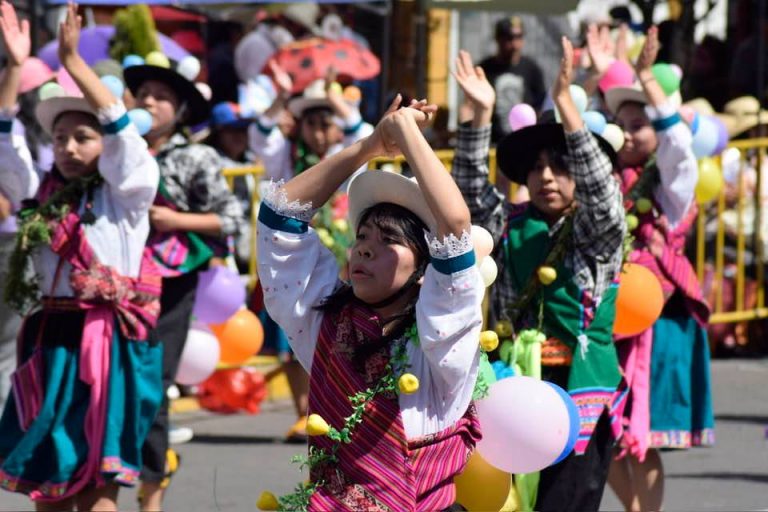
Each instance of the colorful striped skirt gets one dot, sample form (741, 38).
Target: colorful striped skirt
(44, 457)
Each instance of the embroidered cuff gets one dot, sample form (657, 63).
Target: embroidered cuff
(111, 113)
(352, 123)
(6, 126)
(662, 111)
(667, 122)
(274, 220)
(265, 125)
(275, 196)
(452, 254)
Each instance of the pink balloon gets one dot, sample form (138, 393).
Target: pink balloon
(521, 115)
(676, 70)
(68, 83)
(220, 293)
(199, 357)
(526, 425)
(618, 74)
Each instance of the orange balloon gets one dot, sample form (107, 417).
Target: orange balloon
(241, 336)
(639, 301)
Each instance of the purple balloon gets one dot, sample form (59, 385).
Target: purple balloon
(722, 136)
(94, 46)
(220, 293)
(521, 115)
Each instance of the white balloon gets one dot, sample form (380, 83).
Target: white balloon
(614, 135)
(580, 98)
(482, 242)
(199, 357)
(488, 271)
(189, 67)
(50, 90)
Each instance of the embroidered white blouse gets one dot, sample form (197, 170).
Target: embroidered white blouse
(121, 205)
(297, 272)
(677, 165)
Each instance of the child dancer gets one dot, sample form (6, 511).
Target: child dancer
(659, 175)
(413, 305)
(88, 384)
(193, 214)
(317, 137)
(574, 224)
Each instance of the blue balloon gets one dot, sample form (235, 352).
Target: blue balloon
(706, 137)
(132, 60)
(575, 425)
(595, 121)
(114, 84)
(142, 119)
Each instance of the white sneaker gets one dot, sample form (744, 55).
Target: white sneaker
(180, 435)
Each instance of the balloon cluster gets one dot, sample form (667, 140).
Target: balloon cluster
(225, 332)
(483, 244)
(528, 425)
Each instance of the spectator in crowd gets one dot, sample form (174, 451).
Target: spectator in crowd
(705, 78)
(516, 78)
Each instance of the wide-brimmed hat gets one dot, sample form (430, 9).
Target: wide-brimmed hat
(228, 115)
(198, 108)
(616, 96)
(373, 187)
(304, 14)
(314, 96)
(47, 111)
(742, 114)
(513, 152)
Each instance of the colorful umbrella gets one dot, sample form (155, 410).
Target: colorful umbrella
(309, 59)
(94, 46)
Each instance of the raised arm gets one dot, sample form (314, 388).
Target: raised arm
(317, 184)
(645, 60)
(561, 93)
(440, 192)
(17, 47)
(94, 91)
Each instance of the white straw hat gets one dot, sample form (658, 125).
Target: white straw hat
(48, 110)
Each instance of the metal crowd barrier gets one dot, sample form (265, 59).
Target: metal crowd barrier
(718, 253)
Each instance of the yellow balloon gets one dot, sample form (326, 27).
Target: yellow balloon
(634, 51)
(157, 59)
(482, 487)
(710, 180)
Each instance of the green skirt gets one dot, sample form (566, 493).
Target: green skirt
(44, 458)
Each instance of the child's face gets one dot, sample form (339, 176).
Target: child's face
(233, 142)
(378, 265)
(77, 144)
(319, 132)
(551, 187)
(639, 137)
(161, 102)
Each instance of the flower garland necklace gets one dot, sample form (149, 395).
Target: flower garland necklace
(36, 226)
(406, 383)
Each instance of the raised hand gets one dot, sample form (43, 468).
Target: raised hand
(565, 74)
(379, 143)
(15, 35)
(282, 79)
(473, 82)
(561, 92)
(599, 51)
(649, 52)
(69, 34)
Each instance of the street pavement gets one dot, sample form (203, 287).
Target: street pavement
(233, 458)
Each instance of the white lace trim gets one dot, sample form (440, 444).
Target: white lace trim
(7, 114)
(450, 246)
(111, 113)
(276, 198)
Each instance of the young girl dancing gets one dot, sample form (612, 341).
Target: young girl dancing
(88, 385)
(667, 366)
(410, 317)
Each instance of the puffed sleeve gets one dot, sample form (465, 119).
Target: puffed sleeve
(126, 163)
(449, 319)
(18, 179)
(677, 164)
(269, 144)
(296, 270)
